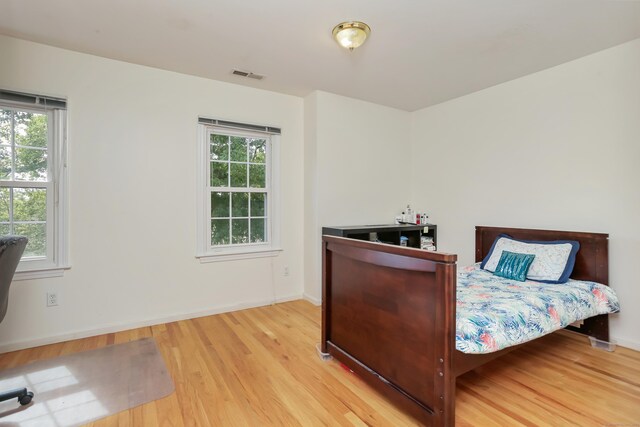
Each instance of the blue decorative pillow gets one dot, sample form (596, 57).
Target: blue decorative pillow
(514, 266)
(553, 263)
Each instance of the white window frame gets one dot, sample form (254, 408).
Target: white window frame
(56, 259)
(206, 252)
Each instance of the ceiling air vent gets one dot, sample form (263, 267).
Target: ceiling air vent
(247, 74)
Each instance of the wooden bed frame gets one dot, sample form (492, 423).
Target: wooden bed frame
(389, 314)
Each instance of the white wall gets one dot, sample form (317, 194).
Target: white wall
(559, 149)
(132, 157)
(357, 167)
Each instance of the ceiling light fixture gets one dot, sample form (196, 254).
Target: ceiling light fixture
(351, 34)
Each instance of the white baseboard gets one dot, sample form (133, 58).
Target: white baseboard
(124, 326)
(287, 298)
(626, 343)
(312, 300)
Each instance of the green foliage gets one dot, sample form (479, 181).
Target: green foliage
(238, 174)
(220, 231)
(238, 147)
(23, 157)
(31, 163)
(29, 204)
(219, 147)
(5, 144)
(37, 234)
(5, 208)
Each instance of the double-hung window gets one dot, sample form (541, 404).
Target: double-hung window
(238, 183)
(32, 179)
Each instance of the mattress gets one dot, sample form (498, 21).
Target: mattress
(493, 313)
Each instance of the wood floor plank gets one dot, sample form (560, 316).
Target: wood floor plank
(259, 367)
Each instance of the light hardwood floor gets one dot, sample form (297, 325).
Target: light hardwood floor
(259, 367)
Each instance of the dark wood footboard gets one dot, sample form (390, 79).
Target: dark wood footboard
(389, 315)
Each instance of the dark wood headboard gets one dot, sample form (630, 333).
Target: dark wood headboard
(592, 260)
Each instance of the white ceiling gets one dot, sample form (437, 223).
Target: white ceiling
(420, 52)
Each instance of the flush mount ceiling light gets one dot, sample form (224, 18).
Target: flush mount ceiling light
(351, 34)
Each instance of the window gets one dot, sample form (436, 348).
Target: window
(33, 178)
(237, 203)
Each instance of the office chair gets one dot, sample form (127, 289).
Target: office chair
(11, 249)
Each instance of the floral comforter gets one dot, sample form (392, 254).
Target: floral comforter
(493, 313)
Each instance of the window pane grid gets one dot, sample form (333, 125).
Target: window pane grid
(24, 184)
(10, 223)
(237, 167)
(24, 177)
(235, 190)
(244, 222)
(20, 162)
(23, 211)
(13, 146)
(231, 161)
(30, 147)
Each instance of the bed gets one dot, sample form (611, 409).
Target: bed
(389, 314)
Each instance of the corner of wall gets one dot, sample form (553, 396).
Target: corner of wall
(311, 237)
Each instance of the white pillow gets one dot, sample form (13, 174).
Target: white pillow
(553, 262)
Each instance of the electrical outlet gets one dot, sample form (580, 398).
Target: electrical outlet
(52, 299)
(286, 270)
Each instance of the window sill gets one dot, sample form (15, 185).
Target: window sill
(43, 273)
(236, 255)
